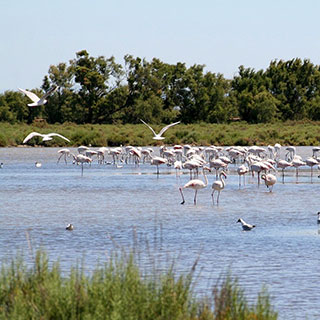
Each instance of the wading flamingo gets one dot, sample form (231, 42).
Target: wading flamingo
(36, 100)
(64, 153)
(242, 170)
(269, 180)
(218, 185)
(163, 130)
(246, 226)
(195, 184)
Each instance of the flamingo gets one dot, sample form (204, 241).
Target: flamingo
(242, 170)
(163, 130)
(311, 162)
(269, 180)
(195, 184)
(157, 161)
(45, 137)
(283, 164)
(246, 226)
(218, 185)
(64, 153)
(80, 158)
(36, 100)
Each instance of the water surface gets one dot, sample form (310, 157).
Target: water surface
(129, 207)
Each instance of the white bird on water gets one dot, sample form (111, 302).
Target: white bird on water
(246, 226)
(36, 100)
(158, 136)
(45, 137)
(69, 227)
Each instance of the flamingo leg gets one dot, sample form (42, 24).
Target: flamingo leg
(195, 197)
(82, 169)
(180, 189)
(212, 196)
(218, 196)
(59, 158)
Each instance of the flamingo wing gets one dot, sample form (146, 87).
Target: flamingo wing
(31, 135)
(163, 130)
(30, 95)
(148, 127)
(58, 135)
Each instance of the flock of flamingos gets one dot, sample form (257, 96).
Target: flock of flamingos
(264, 162)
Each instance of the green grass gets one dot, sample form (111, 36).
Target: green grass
(118, 290)
(301, 133)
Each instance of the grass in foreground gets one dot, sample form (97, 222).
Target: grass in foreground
(117, 291)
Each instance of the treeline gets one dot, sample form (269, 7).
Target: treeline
(101, 91)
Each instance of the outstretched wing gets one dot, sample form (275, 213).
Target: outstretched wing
(148, 127)
(50, 91)
(31, 135)
(30, 95)
(58, 135)
(167, 127)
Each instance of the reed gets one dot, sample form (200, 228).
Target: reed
(117, 290)
(238, 133)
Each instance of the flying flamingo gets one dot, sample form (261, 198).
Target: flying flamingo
(269, 180)
(218, 185)
(195, 184)
(36, 100)
(163, 130)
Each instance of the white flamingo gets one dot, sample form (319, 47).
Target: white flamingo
(80, 158)
(218, 185)
(246, 226)
(311, 162)
(45, 137)
(157, 161)
(195, 184)
(36, 100)
(242, 170)
(283, 164)
(269, 180)
(64, 153)
(158, 136)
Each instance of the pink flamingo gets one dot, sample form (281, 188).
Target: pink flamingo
(218, 185)
(195, 184)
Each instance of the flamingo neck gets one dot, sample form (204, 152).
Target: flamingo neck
(222, 180)
(205, 178)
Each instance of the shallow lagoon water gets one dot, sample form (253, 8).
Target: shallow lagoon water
(113, 209)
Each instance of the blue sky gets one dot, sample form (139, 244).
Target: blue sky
(220, 34)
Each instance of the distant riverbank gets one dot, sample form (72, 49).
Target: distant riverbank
(302, 133)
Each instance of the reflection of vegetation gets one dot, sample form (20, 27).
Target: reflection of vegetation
(287, 133)
(119, 290)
